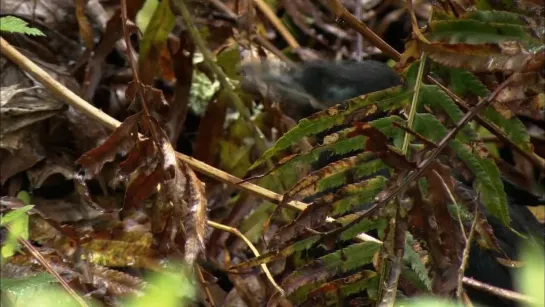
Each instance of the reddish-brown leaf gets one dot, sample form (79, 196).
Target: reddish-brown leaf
(210, 130)
(507, 56)
(377, 142)
(142, 187)
(120, 141)
(138, 156)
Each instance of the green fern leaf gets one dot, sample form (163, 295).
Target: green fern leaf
(360, 227)
(464, 83)
(332, 293)
(493, 173)
(339, 144)
(412, 259)
(389, 99)
(433, 96)
(17, 25)
(501, 17)
(487, 177)
(304, 244)
(355, 195)
(361, 170)
(335, 174)
(512, 127)
(324, 268)
(480, 32)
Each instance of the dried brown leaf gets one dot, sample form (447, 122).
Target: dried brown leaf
(120, 141)
(210, 130)
(116, 253)
(59, 163)
(195, 221)
(29, 151)
(506, 56)
(85, 29)
(139, 156)
(142, 187)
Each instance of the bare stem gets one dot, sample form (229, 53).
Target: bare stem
(239, 234)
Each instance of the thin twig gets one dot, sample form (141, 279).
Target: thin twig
(38, 256)
(414, 104)
(239, 234)
(207, 292)
(465, 255)
(465, 299)
(277, 23)
(342, 14)
(132, 63)
(451, 196)
(512, 295)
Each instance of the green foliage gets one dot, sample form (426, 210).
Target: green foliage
(512, 127)
(354, 195)
(428, 302)
(434, 97)
(172, 287)
(156, 30)
(306, 243)
(37, 291)
(17, 25)
(488, 183)
(23, 284)
(481, 27)
(168, 288)
(17, 220)
(414, 265)
(358, 171)
(252, 227)
(473, 32)
(144, 15)
(501, 17)
(340, 262)
(332, 293)
(389, 99)
(340, 143)
(465, 83)
(531, 280)
(362, 226)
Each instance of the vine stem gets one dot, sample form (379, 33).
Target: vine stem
(239, 234)
(414, 104)
(465, 255)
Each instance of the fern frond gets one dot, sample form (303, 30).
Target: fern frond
(17, 25)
